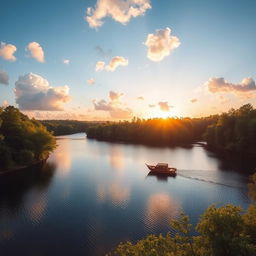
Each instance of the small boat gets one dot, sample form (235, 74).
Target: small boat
(162, 169)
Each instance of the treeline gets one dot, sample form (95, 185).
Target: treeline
(65, 127)
(157, 131)
(234, 131)
(224, 231)
(23, 141)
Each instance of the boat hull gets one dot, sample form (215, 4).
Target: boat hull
(169, 171)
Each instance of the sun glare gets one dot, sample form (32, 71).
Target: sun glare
(163, 114)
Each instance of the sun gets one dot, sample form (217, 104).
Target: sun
(163, 114)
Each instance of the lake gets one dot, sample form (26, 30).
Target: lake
(91, 195)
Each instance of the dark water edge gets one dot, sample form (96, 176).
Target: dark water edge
(240, 162)
(17, 169)
(148, 144)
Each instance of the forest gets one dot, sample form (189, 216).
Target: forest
(23, 141)
(157, 131)
(234, 131)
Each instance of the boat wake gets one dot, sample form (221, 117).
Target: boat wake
(179, 173)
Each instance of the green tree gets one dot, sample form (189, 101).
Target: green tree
(22, 141)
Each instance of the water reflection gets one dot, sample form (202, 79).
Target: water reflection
(14, 187)
(117, 193)
(116, 157)
(161, 208)
(38, 206)
(161, 177)
(62, 157)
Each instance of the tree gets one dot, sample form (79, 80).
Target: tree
(22, 141)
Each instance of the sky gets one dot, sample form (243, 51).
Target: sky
(116, 59)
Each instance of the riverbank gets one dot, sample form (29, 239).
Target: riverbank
(20, 168)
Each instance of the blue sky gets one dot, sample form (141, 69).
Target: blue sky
(217, 40)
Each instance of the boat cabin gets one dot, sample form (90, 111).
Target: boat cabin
(162, 166)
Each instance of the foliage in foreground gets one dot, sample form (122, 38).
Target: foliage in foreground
(22, 141)
(224, 231)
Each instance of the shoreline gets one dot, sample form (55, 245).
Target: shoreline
(23, 167)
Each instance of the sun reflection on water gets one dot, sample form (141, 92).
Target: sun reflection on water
(161, 208)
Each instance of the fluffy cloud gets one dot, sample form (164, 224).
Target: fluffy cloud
(193, 100)
(7, 51)
(102, 105)
(4, 78)
(215, 85)
(36, 51)
(115, 62)
(114, 107)
(140, 98)
(119, 10)
(66, 61)
(151, 106)
(164, 106)
(115, 96)
(33, 92)
(161, 44)
(100, 65)
(112, 65)
(91, 81)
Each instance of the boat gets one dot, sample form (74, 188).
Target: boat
(162, 169)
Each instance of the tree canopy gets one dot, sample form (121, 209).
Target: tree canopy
(157, 131)
(22, 140)
(234, 131)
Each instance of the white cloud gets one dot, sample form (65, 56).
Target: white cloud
(151, 105)
(66, 61)
(164, 106)
(216, 85)
(36, 51)
(7, 51)
(115, 62)
(91, 81)
(33, 92)
(103, 105)
(100, 65)
(161, 44)
(115, 96)
(112, 65)
(140, 98)
(114, 107)
(4, 78)
(119, 10)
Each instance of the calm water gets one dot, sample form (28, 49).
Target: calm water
(91, 195)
